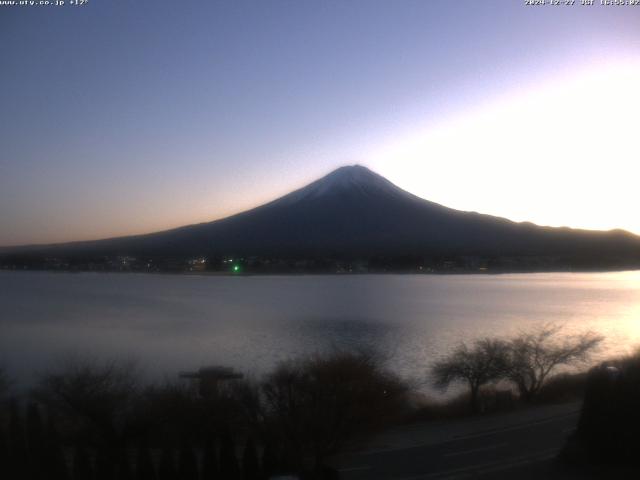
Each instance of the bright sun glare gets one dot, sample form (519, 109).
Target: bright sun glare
(560, 153)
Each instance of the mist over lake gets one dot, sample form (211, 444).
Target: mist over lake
(170, 323)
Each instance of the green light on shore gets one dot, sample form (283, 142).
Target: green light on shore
(236, 268)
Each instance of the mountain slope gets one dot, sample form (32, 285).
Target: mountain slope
(354, 212)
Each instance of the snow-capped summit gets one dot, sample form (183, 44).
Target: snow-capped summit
(347, 180)
(353, 176)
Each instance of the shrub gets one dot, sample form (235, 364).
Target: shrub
(610, 418)
(94, 398)
(319, 404)
(562, 388)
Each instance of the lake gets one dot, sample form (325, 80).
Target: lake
(179, 322)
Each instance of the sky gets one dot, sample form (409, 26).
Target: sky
(120, 117)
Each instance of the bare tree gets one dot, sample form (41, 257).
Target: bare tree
(319, 404)
(484, 362)
(534, 355)
(91, 394)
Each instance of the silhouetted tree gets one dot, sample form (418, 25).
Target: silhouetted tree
(250, 465)
(18, 457)
(144, 464)
(319, 404)
(4, 451)
(210, 461)
(82, 466)
(269, 464)
(35, 429)
(167, 469)
(88, 393)
(229, 469)
(484, 362)
(187, 463)
(533, 356)
(247, 398)
(123, 466)
(55, 460)
(170, 410)
(106, 460)
(35, 443)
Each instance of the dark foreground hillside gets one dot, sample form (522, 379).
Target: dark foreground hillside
(342, 415)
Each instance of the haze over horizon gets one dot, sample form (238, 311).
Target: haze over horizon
(122, 120)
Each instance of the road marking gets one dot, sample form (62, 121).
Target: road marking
(475, 450)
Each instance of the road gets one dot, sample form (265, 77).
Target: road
(492, 447)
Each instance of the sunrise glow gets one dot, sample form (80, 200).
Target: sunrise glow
(560, 152)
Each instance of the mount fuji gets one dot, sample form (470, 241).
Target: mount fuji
(355, 213)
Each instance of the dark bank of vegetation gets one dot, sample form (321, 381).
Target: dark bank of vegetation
(98, 421)
(607, 433)
(87, 420)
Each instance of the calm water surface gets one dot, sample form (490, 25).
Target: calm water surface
(176, 322)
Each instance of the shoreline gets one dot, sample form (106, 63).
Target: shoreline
(324, 274)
